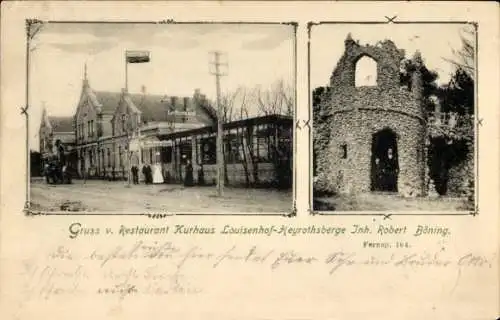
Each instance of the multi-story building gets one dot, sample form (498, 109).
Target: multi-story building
(115, 130)
(106, 122)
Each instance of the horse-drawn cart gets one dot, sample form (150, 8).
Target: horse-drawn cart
(57, 173)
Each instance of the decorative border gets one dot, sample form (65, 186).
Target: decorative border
(33, 26)
(477, 121)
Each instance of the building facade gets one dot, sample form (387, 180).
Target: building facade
(106, 122)
(116, 130)
(371, 134)
(257, 152)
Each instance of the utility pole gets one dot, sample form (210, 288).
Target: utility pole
(220, 155)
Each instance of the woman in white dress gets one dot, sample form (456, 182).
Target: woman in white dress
(157, 175)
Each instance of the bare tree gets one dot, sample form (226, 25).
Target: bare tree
(234, 105)
(464, 58)
(277, 99)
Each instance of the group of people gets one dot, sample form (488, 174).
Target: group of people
(154, 175)
(386, 173)
(147, 171)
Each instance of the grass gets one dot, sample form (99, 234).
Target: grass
(388, 202)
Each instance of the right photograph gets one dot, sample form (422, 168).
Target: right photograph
(393, 108)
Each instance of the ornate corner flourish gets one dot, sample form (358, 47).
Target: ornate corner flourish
(292, 213)
(166, 21)
(310, 24)
(158, 215)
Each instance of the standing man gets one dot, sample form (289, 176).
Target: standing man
(135, 174)
(150, 174)
(145, 173)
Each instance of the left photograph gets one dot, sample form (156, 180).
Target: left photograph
(161, 117)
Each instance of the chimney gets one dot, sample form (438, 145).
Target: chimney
(173, 101)
(143, 89)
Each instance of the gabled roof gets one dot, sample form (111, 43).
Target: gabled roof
(61, 124)
(157, 107)
(152, 107)
(106, 100)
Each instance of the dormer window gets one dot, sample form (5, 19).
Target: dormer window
(366, 72)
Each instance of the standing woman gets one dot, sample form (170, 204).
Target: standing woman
(188, 180)
(393, 171)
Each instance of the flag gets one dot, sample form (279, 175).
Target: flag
(137, 56)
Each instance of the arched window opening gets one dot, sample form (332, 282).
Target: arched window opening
(366, 72)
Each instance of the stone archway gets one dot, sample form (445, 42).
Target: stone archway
(365, 72)
(384, 161)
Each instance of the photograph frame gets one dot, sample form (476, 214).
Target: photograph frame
(477, 122)
(29, 211)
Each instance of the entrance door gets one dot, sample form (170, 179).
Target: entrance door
(384, 161)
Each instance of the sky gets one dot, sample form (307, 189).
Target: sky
(434, 41)
(180, 60)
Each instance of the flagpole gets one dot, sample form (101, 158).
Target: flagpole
(126, 72)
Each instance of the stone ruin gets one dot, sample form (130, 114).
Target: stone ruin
(357, 123)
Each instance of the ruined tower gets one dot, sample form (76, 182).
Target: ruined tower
(365, 121)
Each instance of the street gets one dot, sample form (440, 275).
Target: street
(116, 196)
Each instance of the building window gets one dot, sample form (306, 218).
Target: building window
(124, 119)
(262, 149)
(166, 154)
(343, 150)
(208, 150)
(185, 149)
(120, 156)
(232, 147)
(366, 72)
(262, 144)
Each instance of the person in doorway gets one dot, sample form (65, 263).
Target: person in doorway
(135, 174)
(391, 171)
(189, 180)
(46, 172)
(377, 175)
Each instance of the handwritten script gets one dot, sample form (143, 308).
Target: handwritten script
(164, 268)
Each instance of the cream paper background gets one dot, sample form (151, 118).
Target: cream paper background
(238, 290)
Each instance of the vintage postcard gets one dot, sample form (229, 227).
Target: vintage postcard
(239, 160)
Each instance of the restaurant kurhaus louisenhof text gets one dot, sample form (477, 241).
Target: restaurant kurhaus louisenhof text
(228, 229)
